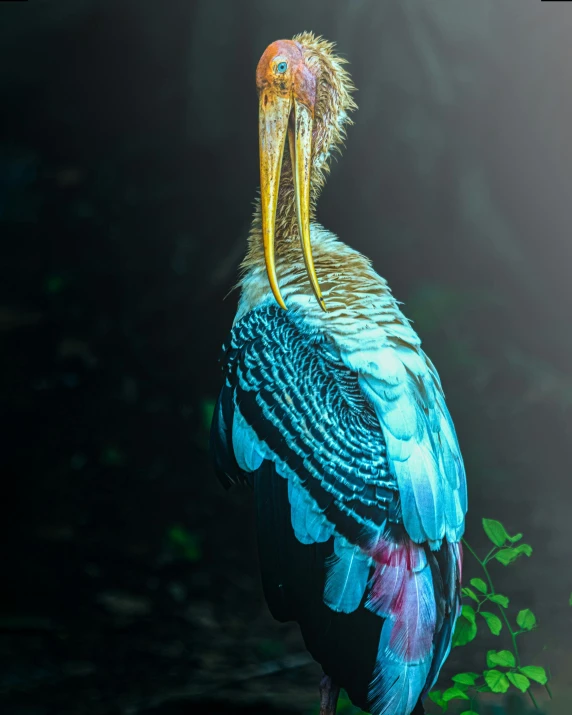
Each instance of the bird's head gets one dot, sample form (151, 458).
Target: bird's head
(304, 95)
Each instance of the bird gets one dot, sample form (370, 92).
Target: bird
(336, 418)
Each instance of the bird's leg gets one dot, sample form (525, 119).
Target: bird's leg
(329, 693)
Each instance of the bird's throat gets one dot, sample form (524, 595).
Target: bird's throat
(287, 229)
(288, 249)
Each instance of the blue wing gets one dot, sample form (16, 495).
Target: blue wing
(304, 429)
(422, 448)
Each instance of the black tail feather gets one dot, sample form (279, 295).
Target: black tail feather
(293, 577)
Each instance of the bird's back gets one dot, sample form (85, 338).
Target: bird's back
(294, 420)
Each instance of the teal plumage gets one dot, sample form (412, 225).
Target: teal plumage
(292, 404)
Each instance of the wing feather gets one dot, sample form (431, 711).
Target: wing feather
(422, 447)
(371, 469)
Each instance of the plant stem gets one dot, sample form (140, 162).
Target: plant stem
(548, 690)
(501, 609)
(532, 698)
(488, 556)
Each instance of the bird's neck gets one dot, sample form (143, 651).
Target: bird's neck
(287, 237)
(362, 313)
(286, 225)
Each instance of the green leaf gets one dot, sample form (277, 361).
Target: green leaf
(497, 681)
(112, 457)
(465, 678)
(177, 535)
(526, 619)
(495, 531)
(500, 599)
(570, 600)
(54, 284)
(501, 657)
(525, 549)
(465, 631)
(516, 537)
(345, 705)
(184, 543)
(493, 622)
(207, 412)
(479, 584)
(535, 672)
(469, 712)
(469, 613)
(507, 556)
(519, 681)
(437, 697)
(471, 594)
(454, 693)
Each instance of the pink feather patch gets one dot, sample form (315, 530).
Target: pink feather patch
(402, 591)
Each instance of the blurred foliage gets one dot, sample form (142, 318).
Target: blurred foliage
(54, 284)
(184, 544)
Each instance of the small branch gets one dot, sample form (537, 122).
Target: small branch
(548, 690)
(489, 555)
(470, 549)
(513, 634)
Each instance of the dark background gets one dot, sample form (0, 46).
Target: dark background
(128, 167)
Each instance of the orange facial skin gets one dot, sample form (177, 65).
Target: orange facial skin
(297, 80)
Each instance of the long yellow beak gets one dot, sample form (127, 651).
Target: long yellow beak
(274, 115)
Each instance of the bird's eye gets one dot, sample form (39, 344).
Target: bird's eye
(281, 67)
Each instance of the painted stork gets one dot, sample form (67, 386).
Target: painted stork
(334, 415)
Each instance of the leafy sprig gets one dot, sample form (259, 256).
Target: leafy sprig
(504, 668)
